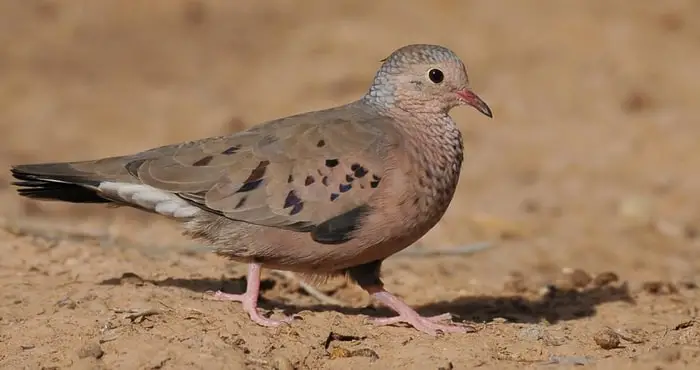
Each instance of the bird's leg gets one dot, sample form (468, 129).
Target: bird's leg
(249, 299)
(367, 276)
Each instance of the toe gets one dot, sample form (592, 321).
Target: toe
(444, 317)
(264, 321)
(221, 296)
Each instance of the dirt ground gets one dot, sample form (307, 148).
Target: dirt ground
(588, 170)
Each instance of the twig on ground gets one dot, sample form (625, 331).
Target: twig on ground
(138, 314)
(311, 290)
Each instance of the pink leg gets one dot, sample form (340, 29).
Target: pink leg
(249, 299)
(429, 325)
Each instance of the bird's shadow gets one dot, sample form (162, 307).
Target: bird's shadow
(556, 305)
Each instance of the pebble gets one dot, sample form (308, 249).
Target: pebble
(659, 287)
(605, 278)
(91, 349)
(580, 278)
(607, 339)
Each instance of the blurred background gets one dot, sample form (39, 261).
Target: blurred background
(591, 160)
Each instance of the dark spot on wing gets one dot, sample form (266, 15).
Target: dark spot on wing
(334, 196)
(349, 178)
(344, 187)
(296, 209)
(360, 172)
(331, 163)
(232, 150)
(290, 179)
(203, 162)
(324, 180)
(241, 202)
(375, 181)
(341, 228)
(293, 201)
(354, 167)
(255, 178)
(249, 186)
(321, 143)
(309, 180)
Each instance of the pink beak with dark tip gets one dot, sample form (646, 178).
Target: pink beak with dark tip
(468, 97)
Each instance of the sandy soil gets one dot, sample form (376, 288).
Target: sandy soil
(589, 170)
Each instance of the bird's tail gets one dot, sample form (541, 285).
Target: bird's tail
(57, 181)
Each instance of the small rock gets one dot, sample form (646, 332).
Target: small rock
(564, 285)
(447, 366)
(131, 278)
(91, 349)
(531, 333)
(659, 287)
(572, 279)
(688, 284)
(607, 339)
(605, 278)
(580, 278)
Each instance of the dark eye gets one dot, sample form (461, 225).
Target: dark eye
(436, 75)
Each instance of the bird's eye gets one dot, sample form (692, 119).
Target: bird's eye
(436, 75)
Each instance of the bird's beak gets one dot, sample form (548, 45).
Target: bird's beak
(468, 97)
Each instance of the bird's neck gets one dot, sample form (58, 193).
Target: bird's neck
(435, 147)
(437, 150)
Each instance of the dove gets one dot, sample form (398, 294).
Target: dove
(324, 193)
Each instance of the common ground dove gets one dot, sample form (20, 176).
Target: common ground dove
(331, 192)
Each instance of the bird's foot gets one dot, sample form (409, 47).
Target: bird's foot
(250, 306)
(249, 299)
(429, 325)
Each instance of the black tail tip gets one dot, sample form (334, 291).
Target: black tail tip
(51, 187)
